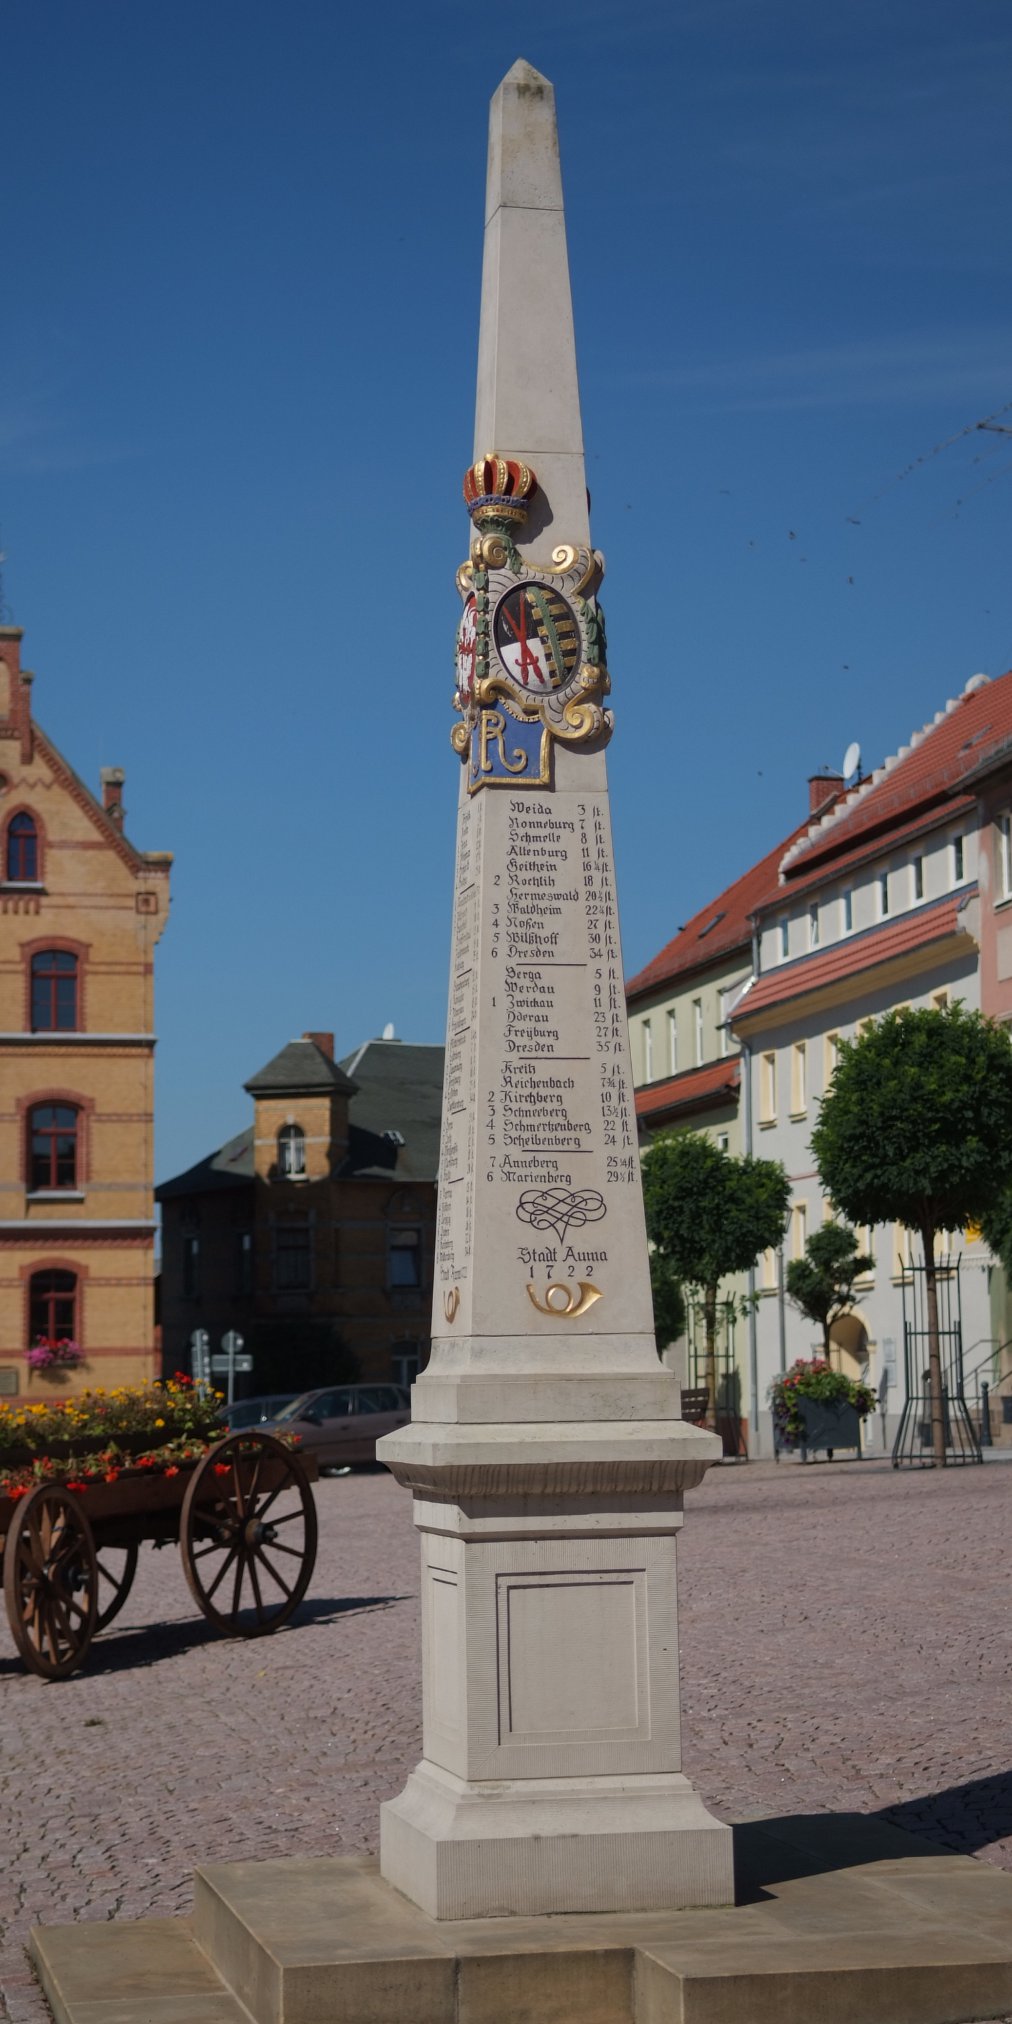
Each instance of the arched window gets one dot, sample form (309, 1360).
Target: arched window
(22, 855)
(52, 1307)
(52, 1146)
(292, 1151)
(54, 991)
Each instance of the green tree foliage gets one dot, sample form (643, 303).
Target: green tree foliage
(996, 1230)
(821, 1284)
(710, 1215)
(916, 1127)
(669, 1301)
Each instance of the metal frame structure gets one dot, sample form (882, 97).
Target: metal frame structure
(912, 1447)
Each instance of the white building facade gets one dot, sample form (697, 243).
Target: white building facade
(877, 907)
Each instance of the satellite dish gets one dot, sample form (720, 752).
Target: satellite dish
(388, 1031)
(851, 760)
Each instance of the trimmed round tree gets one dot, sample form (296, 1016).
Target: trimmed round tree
(710, 1215)
(821, 1285)
(916, 1127)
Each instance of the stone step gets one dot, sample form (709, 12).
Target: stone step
(839, 1918)
(143, 1971)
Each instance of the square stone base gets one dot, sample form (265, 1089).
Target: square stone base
(537, 1846)
(841, 1920)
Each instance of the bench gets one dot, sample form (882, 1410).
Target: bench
(695, 1403)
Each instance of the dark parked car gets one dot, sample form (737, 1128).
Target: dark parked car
(342, 1424)
(251, 1412)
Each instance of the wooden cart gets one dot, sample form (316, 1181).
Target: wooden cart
(244, 1518)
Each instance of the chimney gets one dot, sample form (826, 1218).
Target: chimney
(822, 789)
(324, 1041)
(112, 778)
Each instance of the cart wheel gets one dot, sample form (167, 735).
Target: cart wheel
(51, 1581)
(117, 1566)
(248, 1534)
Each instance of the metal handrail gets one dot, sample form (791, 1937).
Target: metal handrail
(990, 1359)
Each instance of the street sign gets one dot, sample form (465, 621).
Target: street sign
(242, 1365)
(200, 1346)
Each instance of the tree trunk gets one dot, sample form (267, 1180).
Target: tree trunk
(710, 1368)
(934, 1349)
(827, 1350)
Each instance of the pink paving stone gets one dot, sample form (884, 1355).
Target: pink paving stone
(845, 1646)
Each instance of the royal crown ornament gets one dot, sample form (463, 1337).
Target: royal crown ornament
(498, 491)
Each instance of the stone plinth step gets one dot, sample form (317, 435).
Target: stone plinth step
(145, 1971)
(839, 1918)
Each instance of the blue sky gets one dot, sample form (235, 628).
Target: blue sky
(241, 256)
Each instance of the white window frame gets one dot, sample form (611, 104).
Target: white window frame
(1003, 825)
(799, 1229)
(958, 848)
(799, 1078)
(768, 1087)
(814, 936)
(847, 911)
(785, 938)
(916, 880)
(673, 1043)
(648, 1051)
(697, 1027)
(292, 1152)
(882, 889)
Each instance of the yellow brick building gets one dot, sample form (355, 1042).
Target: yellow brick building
(80, 913)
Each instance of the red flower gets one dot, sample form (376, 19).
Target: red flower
(223, 1468)
(111, 1475)
(173, 1471)
(77, 1486)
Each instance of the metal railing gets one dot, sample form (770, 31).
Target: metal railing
(990, 1396)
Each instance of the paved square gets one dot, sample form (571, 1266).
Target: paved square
(846, 1644)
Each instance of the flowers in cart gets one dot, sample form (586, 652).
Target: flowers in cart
(99, 1436)
(54, 1353)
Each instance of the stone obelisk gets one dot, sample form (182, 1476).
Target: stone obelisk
(546, 1454)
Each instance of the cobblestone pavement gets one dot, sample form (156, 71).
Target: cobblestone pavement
(845, 1644)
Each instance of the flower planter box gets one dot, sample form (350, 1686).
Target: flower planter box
(829, 1424)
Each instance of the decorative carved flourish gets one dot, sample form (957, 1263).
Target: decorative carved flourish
(564, 1302)
(451, 1302)
(560, 1209)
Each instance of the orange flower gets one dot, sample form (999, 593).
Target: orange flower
(111, 1475)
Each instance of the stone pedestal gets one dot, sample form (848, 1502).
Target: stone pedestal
(551, 1779)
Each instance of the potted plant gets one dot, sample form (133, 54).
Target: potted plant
(816, 1407)
(54, 1353)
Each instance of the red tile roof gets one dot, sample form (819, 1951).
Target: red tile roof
(939, 759)
(717, 928)
(811, 875)
(716, 1083)
(856, 954)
